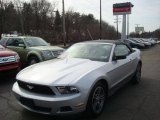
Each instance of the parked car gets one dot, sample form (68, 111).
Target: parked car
(147, 44)
(134, 44)
(152, 41)
(9, 60)
(31, 49)
(78, 80)
(158, 41)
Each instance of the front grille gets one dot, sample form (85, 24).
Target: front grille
(40, 89)
(8, 59)
(8, 64)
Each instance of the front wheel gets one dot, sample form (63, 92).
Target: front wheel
(96, 100)
(137, 77)
(33, 60)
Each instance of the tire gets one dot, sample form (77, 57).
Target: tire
(137, 76)
(96, 100)
(32, 60)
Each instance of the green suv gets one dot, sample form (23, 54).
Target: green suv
(31, 49)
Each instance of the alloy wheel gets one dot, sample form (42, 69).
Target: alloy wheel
(98, 99)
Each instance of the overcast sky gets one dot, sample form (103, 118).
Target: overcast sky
(146, 13)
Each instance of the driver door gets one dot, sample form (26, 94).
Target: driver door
(121, 68)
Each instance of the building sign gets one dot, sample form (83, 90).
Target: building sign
(122, 8)
(139, 29)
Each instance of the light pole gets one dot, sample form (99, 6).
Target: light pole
(100, 28)
(20, 17)
(64, 26)
(2, 16)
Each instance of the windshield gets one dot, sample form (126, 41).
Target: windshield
(92, 51)
(35, 41)
(1, 47)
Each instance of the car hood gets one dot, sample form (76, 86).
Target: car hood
(58, 71)
(51, 48)
(6, 52)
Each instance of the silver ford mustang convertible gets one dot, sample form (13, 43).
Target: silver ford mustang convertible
(78, 80)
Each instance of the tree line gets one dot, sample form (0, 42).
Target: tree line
(40, 18)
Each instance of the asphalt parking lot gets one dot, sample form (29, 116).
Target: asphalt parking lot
(132, 102)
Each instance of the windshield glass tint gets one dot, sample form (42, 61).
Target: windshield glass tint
(92, 51)
(33, 41)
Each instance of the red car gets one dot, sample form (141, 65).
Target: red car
(9, 60)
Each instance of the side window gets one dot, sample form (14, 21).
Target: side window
(14, 42)
(3, 40)
(20, 41)
(121, 50)
(10, 42)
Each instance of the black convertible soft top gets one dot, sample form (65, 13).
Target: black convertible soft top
(116, 42)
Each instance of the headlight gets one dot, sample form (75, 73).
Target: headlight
(47, 54)
(67, 90)
(17, 58)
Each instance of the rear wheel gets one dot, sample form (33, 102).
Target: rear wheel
(33, 60)
(96, 100)
(137, 77)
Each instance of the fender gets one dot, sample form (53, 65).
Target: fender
(37, 54)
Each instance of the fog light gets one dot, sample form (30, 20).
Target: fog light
(79, 105)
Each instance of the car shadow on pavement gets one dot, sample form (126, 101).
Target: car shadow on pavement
(6, 76)
(34, 116)
(6, 82)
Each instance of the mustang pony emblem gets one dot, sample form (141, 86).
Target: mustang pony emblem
(30, 87)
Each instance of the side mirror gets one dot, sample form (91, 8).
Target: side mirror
(119, 57)
(21, 45)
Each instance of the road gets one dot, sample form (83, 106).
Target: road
(132, 102)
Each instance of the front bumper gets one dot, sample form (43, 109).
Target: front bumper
(9, 66)
(46, 104)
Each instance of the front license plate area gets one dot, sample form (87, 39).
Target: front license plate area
(27, 102)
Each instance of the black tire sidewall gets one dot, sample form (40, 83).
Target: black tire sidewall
(89, 110)
(134, 79)
(33, 58)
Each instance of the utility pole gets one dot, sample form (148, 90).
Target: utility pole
(64, 26)
(117, 21)
(100, 34)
